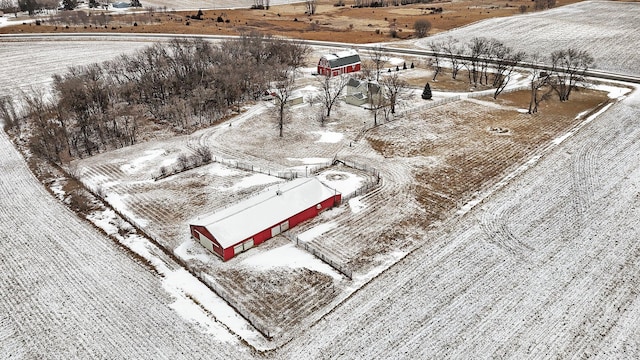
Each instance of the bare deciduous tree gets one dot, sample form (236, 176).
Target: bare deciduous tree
(538, 80)
(331, 88)
(395, 89)
(436, 48)
(421, 27)
(375, 99)
(478, 48)
(569, 67)
(379, 58)
(311, 6)
(9, 114)
(506, 62)
(282, 93)
(9, 6)
(453, 50)
(544, 4)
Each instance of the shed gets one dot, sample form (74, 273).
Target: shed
(250, 222)
(342, 62)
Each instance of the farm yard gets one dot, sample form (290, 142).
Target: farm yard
(485, 223)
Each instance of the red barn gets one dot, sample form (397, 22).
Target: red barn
(237, 228)
(339, 63)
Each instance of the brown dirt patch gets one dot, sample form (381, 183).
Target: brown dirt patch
(474, 146)
(330, 23)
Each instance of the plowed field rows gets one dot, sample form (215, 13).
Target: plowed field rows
(69, 292)
(587, 25)
(520, 276)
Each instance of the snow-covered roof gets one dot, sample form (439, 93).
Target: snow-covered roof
(264, 210)
(342, 58)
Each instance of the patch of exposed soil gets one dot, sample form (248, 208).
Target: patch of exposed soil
(330, 23)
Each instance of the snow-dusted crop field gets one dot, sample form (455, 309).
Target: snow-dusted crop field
(608, 30)
(545, 266)
(69, 292)
(31, 68)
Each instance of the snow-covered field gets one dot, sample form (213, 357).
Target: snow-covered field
(69, 292)
(544, 267)
(608, 30)
(46, 57)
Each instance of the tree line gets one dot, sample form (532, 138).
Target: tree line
(181, 86)
(489, 62)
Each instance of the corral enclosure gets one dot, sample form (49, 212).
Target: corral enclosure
(515, 246)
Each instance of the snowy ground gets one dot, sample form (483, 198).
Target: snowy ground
(544, 267)
(50, 58)
(608, 30)
(547, 267)
(69, 292)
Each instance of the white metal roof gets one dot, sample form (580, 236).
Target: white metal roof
(343, 58)
(264, 210)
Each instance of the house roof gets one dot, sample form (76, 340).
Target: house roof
(353, 82)
(364, 86)
(264, 210)
(343, 58)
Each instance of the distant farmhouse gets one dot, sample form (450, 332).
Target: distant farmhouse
(339, 63)
(239, 227)
(121, 5)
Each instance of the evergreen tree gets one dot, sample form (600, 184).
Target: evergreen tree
(426, 94)
(28, 5)
(69, 4)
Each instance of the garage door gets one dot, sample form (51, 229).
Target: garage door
(204, 241)
(275, 230)
(238, 249)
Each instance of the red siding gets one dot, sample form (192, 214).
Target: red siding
(327, 71)
(228, 253)
(260, 237)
